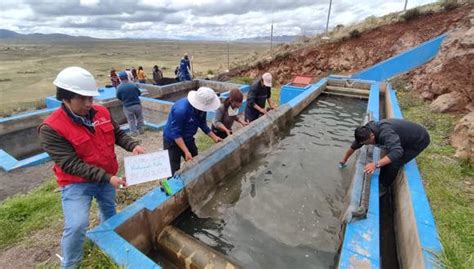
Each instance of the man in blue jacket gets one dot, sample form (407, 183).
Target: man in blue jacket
(184, 69)
(186, 116)
(400, 140)
(129, 94)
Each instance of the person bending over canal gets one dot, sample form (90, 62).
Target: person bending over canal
(400, 140)
(227, 113)
(186, 116)
(80, 137)
(260, 93)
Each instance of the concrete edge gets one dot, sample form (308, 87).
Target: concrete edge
(425, 222)
(361, 241)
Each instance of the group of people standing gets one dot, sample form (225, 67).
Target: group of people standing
(136, 75)
(80, 138)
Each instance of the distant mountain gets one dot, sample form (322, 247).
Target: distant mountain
(7, 34)
(276, 39)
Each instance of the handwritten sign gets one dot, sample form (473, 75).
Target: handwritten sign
(147, 167)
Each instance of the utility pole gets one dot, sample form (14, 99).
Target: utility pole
(228, 51)
(271, 31)
(271, 38)
(405, 7)
(329, 14)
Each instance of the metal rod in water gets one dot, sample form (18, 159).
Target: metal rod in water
(188, 252)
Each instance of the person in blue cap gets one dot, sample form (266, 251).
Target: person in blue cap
(129, 94)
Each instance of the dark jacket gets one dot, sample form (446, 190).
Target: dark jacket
(128, 93)
(258, 94)
(63, 153)
(395, 136)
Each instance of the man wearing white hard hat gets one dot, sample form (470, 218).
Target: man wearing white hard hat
(260, 92)
(186, 116)
(80, 137)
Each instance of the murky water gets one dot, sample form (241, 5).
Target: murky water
(282, 210)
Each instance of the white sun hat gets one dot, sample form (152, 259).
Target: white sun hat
(77, 80)
(267, 79)
(204, 99)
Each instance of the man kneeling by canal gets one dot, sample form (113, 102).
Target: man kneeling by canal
(400, 140)
(80, 137)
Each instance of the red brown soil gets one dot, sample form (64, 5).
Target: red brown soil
(354, 54)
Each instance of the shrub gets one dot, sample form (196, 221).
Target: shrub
(411, 14)
(354, 33)
(210, 72)
(450, 5)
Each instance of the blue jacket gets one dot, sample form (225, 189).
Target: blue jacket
(184, 121)
(184, 66)
(128, 93)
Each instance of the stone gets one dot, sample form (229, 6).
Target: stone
(463, 138)
(427, 95)
(447, 103)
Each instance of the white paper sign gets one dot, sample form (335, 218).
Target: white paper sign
(147, 167)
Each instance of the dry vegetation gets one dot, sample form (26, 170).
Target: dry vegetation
(28, 69)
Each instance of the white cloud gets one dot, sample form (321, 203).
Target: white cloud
(89, 3)
(214, 19)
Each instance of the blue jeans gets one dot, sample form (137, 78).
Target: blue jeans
(76, 202)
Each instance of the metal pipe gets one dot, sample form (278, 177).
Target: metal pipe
(187, 252)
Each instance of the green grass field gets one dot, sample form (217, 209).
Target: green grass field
(448, 182)
(28, 69)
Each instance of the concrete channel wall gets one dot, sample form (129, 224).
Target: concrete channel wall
(417, 237)
(17, 129)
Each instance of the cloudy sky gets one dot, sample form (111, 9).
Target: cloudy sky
(210, 19)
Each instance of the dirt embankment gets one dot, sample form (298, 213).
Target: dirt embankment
(352, 54)
(447, 80)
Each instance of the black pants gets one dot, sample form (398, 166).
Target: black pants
(389, 172)
(218, 132)
(175, 153)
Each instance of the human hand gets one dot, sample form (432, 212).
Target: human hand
(341, 165)
(188, 156)
(118, 182)
(217, 139)
(369, 168)
(138, 150)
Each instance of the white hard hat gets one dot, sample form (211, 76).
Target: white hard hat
(204, 99)
(77, 80)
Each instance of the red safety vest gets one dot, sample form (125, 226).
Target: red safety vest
(93, 148)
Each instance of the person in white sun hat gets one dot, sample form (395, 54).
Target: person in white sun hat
(260, 92)
(79, 137)
(186, 116)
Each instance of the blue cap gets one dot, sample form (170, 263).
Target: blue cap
(122, 74)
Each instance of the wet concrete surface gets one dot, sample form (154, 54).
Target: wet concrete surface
(283, 210)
